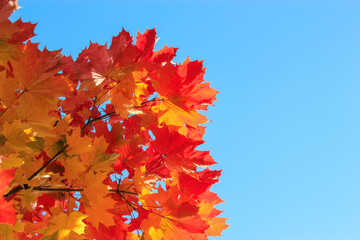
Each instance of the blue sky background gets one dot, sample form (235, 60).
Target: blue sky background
(286, 129)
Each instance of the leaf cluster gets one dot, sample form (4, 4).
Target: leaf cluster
(104, 146)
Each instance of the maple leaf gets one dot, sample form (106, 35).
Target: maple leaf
(182, 93)
(77, 143)
(29, 200)
(15, 138)
(65, 223)
(11, 34)
(74, 169)
(172, 114)
(36, 73)
(10, 161)
(217, 225)
(7, 7)
(164, 55)
(94, 188)
(119, 231)
(197, 185)
(96, 157)
(172, 150)
(98, 212)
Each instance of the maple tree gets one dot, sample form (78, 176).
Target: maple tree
(103, 147)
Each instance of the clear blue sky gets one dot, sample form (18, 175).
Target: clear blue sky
(286, 129)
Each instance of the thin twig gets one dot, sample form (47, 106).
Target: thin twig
(96, 119)
(19, 188)
(49, 189)
(2, 113)
(48, 163)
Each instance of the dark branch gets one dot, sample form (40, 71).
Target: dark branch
(19, 188)
(96, 119)
(48, 163)
(50, 189)
(121, 191)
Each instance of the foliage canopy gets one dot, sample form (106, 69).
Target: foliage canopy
(104, 146)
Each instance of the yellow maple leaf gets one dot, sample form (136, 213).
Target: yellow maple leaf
(29, 200)
(73, 170)
(98, 212)
(10, 161)
(78, 144)
(94, 187)
(65, 223)
(15, 137)
(36, 117)
(171, 114)
(156, 234)
(96, 157)
(217, 225)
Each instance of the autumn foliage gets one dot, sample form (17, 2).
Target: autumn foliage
(103, 147)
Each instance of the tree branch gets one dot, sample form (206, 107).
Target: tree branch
(50, 189)
(96, 119)
(48, 163)
(19, 188)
